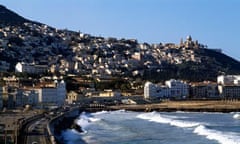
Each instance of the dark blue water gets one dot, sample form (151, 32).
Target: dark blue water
(124, 127)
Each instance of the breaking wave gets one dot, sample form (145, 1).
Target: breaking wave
(84, 120)
(156, 117)
(221, 137)
(197, 127)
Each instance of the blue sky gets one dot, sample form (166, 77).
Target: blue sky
(215, 23)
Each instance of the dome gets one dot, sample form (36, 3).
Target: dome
(189, 38)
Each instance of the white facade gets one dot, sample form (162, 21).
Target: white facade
(55, 95)
(155, 91)
(172, 88)
(177, 88)
(228, 80)
(30, 68)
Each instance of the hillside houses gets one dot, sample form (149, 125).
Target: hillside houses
(64, 51)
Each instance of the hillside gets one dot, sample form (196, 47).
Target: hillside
(68, 52)
(10, 17)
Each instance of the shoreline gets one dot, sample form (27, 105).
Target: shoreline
(171, 106)
(167, 106)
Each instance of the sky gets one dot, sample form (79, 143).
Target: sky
(215, 23)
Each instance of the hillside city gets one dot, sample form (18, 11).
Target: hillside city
(40, 56)
(44, 71)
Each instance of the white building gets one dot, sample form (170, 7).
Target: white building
(56, 95)
(228, 80)
(152, 91)
(178, 89)
(30, 68)
(172, 88)
(229, 86)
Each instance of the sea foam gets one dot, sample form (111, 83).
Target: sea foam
(156, 117)
(198, 128)
(221, 137)
(84, 120)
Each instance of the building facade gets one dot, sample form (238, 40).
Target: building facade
(203, 90)
(228, 80)
(30, 68)
(229, 91)
(178, 89)
(56, 95)
(229, 86)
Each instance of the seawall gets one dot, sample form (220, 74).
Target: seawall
(62, 121)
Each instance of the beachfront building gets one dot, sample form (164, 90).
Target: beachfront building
(229, 91)
(228, 80)
(229, 86)
(202, 90)
(153, 91)
(178, 89)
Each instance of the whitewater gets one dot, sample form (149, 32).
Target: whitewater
(126, 127)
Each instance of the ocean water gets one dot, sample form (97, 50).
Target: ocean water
(125, 127)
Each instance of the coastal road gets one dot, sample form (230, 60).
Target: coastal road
(36, 132)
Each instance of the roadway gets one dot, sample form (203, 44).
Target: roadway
(36, 132)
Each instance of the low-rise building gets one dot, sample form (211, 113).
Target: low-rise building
(109, 93)
(229, 91)
(72, 97)
(152, 91)
(204, 90)
(228, 80)
(56, 94)
(178, 89)
(30, 68)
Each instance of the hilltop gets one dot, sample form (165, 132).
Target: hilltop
(10, 17)
(69, 52)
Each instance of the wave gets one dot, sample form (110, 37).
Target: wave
(198, 128)
(236, 116)
(101, 112)
(84, 120)
(156, 117)
(221, 137)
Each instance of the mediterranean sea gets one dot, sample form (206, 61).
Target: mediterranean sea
(126, 127)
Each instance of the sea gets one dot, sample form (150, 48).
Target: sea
(127, 127)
